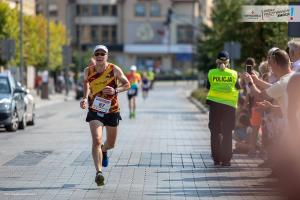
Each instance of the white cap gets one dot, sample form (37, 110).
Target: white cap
(133, 68)
(102, 47)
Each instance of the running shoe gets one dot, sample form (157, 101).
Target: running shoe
(104, 159)
(99, 179)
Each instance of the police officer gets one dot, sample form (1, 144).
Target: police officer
(222, 100)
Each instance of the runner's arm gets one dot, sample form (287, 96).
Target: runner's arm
(125, 85)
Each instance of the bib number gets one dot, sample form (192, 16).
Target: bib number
(101, 104)
(131, 91)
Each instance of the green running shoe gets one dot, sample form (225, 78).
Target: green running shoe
(99, 179)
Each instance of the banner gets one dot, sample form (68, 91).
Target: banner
(279, 13)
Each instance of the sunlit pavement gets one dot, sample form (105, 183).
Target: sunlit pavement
(162, 154)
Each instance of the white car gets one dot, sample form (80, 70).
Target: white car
(30, 105)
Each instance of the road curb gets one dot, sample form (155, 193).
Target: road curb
(198, 104)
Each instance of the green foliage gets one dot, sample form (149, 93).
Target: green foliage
(255, 38)
(81, 59)
(57, 40)
(200, 94)
(34, 38)
(8, 25)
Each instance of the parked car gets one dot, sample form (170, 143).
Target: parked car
(30, 105)
(12, 104)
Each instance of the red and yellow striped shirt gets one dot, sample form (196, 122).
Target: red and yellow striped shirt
(98, 81)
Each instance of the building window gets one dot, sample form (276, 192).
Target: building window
(108, 34)
(95, 10)
(78, 11)
(155, 10)
(140, 9)
(105, 10)
(114, 10)
(84, 10)
(94, 34)
(185, 34)
(105, 34)
(114, 34)
(53, 10)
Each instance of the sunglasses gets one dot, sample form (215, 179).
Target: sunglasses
(273, 55)
(99, 54)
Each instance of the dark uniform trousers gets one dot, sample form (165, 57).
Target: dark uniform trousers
(221, 125)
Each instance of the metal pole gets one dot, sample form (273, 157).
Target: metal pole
(67, 63)
(45, 88)
(48, 34)
(21, 42)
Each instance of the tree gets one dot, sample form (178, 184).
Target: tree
(225, 17)
(34, 38)
(8, 25)
(255, 38)
(57, 40)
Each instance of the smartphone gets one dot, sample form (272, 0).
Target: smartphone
(249, 69)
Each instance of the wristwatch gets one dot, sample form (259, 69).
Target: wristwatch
(116, 91)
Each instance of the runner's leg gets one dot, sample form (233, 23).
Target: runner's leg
(133, 106)
(96, 131)
(111, 136)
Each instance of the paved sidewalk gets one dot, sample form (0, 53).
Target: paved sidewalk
(53, 98)
(163, 154)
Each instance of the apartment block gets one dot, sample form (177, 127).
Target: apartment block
(158, 34)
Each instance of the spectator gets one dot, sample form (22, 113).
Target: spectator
(242, 134)
(294, 53)
(255, 117)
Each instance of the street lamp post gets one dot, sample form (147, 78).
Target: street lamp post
(21, 42)
(48, 34)
(45, 89)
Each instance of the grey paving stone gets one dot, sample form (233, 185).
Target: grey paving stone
(163, 154)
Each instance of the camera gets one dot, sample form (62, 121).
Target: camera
(249, 69)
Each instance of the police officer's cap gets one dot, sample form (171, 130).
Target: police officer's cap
(223, 55)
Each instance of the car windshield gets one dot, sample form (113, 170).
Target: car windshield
(4, 87)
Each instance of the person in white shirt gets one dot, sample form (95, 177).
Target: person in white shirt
(294, 53)
(279, 62)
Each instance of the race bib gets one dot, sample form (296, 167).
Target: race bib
(101, 105)
(131, 91)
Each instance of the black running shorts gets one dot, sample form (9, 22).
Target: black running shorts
(108, 119)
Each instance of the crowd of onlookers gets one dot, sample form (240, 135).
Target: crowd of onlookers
(268, 114)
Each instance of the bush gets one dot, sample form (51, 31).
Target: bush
(200, 94)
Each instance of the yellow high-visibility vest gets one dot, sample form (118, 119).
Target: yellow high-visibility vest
(222, 86)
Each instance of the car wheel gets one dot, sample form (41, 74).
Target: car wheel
(23, 123)
(14, 123)
(32, 122)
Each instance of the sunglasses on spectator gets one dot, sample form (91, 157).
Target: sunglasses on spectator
(273, 55)
(99, 54)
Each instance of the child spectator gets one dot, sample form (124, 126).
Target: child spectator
(242, 134)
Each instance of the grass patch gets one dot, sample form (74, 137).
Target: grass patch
(200, 94)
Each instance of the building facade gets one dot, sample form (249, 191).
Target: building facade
(28, 6)
(158, 34)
